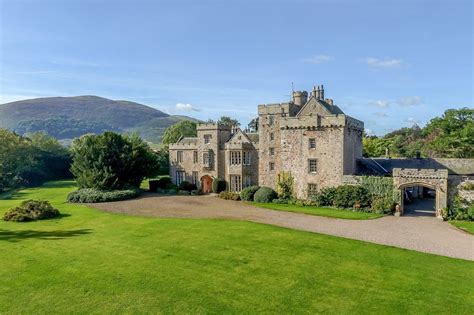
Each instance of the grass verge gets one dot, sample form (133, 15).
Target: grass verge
(320, 211)
(466, 226)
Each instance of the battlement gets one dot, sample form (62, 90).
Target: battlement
(213, 126)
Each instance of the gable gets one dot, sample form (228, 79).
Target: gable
(239, 137)
(318, 107)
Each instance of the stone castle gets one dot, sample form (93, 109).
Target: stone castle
(309, 136)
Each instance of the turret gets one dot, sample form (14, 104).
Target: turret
(300, 97)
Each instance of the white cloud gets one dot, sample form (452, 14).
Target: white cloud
(380, 103)
(383, 63)
(317, 59)
(186, 107)
(380, 114)
(410, 101)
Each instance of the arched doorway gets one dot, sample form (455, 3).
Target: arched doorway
(418, 200)
(206, 184)
(424, 183)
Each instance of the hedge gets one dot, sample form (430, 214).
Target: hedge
(89, 195)
(218, 185)
(248, 193)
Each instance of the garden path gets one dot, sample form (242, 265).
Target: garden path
(424, 234)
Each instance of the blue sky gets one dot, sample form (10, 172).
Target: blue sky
(388, 63)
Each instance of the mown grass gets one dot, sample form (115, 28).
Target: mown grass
(320, 211)
(467, 226)
(93, 262)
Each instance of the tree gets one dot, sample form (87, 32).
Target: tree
(226, 120)
(28, 161)
(112, 161)
(184, 128)
(451, 135)
(253, 125)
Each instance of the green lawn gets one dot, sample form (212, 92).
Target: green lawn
(320, 211)
(93, 262)
(466, 226)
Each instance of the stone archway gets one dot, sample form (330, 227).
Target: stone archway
(430, 178)
(206, 184)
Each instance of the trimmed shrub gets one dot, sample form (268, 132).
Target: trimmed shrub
(325, 197)
(229, 195)
(348, 196)
(188, 187)
(160, 183)
(183, 185)
(196, 192)
(218, 185)
(88, 195)
(30, 210)
(247, 193)
(382, 205)
(265, 194)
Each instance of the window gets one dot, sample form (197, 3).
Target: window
(272, 151)
(179, 156)
(195, 157)
(235, 183)
(312, 143)
(207, 159)
(272, 136)
(271, 166)
(207, 139)
(195, 178)
(247, 181)
(235, 158)
(246, 158)
(271, 120)
(312, 165)
(180, 177)
(312, 190)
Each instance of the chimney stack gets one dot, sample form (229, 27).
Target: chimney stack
(321, 93)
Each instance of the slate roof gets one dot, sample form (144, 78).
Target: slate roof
(188, 140)
(385, 166)
(253, 136)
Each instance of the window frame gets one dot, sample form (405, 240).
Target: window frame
(246, 158)
(312, 190)
(207, 138)
(271, 166)
(315, 166)
(312, 143)
(179, 156)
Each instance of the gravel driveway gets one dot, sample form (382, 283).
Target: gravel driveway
(424, 234)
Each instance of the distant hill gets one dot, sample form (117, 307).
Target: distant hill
(70, 117)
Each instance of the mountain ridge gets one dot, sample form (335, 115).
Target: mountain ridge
(69, 117)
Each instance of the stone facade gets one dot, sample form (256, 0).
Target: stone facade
(309, 137)
(320, 146)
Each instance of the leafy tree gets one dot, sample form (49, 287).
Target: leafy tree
(253, 125)
(226, 120)
(112, 161)
(28, 161)
(451, 135)
(184, 128)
